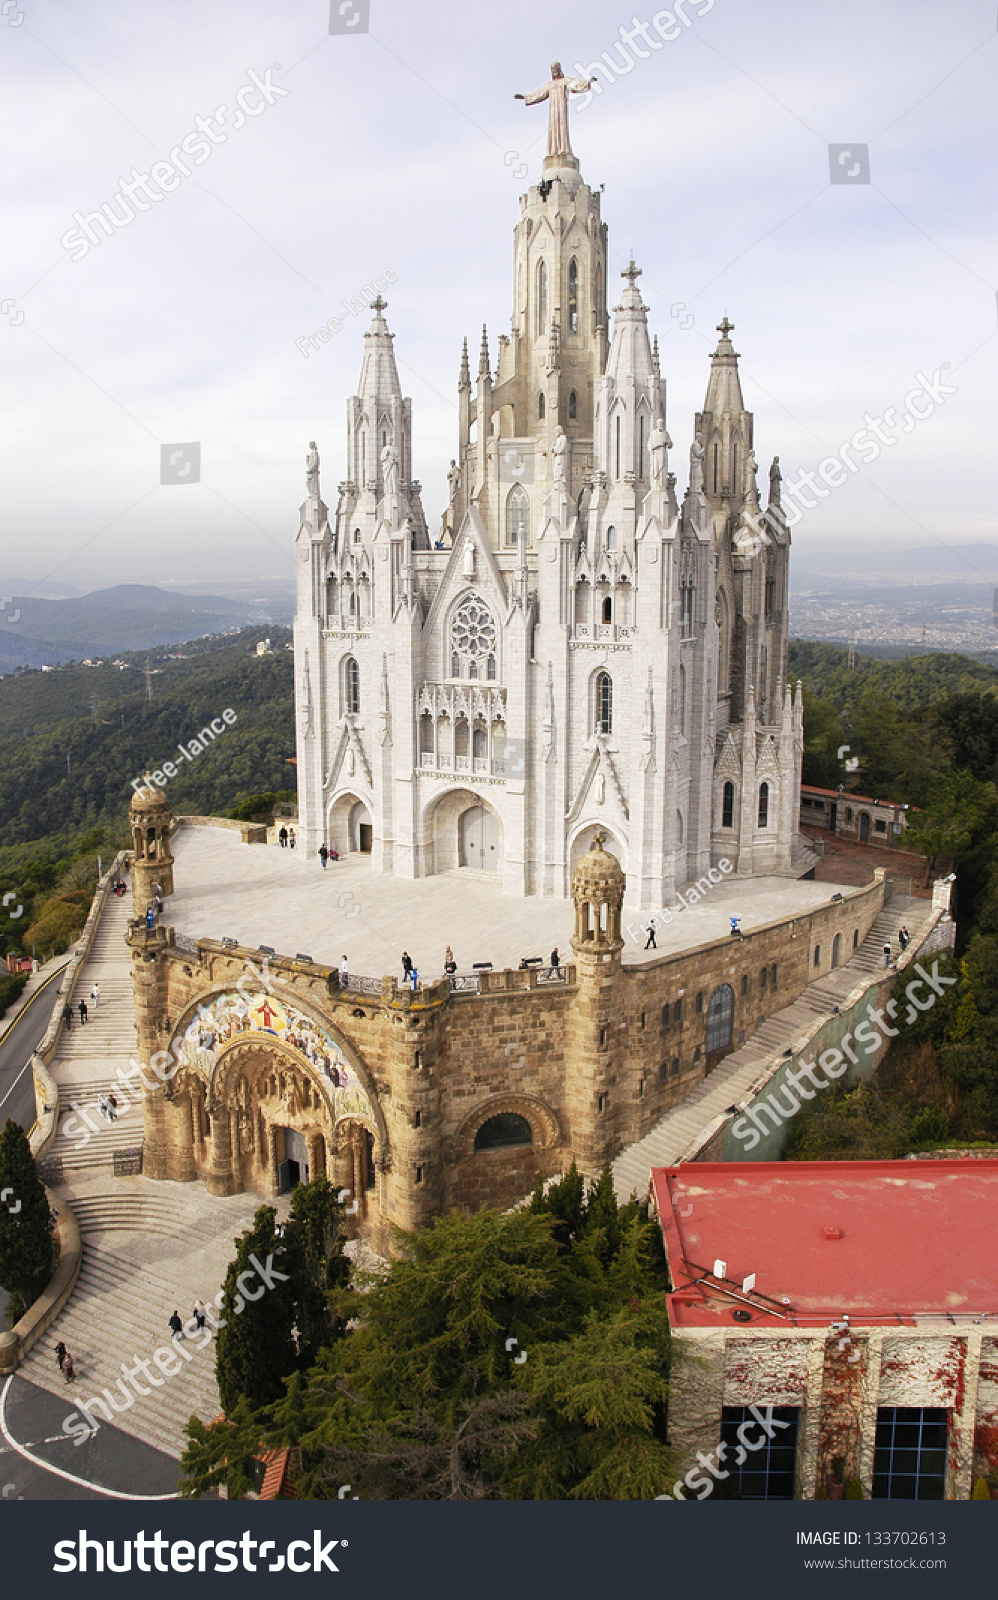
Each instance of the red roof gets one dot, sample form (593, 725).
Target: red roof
(847, 794)
(884, 1241)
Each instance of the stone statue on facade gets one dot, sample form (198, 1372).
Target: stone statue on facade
(454, 480)
(556, 94)
(390, 470)
(696, 465)
(312, 471)
(658, 445)
(559, 451)
(468, 559)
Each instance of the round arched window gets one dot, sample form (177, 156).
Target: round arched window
(503, 1131)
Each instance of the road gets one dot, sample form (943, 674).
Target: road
(17, 1092)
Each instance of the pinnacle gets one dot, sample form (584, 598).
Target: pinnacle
(483, 359)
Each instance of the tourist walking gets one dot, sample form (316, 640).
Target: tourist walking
(406, 966)
(199, 1313)
(60, 1354)
(176, 1325)
(103, 1107)
(67, 1017)
(291, 838)
(112, 1108)
(414, 975)
(556, 962)
(282, 838)
(83, 1012)
(150, 918)
(650, 941)
(95, 995)
(887, 955)
(344, 972)
(323, 856)
(68, 1369)
(450, 965)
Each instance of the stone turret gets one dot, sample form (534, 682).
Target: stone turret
(152, 869)
(598, 892)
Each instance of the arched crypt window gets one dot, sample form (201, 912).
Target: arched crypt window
(501, 1131)
(472, 637)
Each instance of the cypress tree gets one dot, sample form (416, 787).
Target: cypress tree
(255, 1350)
(27, 1253)
(317, 1266)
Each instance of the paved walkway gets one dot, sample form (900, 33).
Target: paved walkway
(735, 1079)
(281, 898)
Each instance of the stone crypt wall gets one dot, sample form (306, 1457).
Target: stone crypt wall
(386, 1090)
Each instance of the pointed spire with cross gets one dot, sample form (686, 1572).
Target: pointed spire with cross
(631, 272)
(379, 305)
(724, 327)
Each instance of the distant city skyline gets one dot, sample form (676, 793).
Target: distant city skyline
(399, 156)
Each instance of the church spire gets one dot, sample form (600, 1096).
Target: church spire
(724, 389)
(464, 378)
(483, 358)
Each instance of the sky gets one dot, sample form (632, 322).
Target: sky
(399, 145)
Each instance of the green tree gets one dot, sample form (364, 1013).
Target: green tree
(952, 815)
(315, 1262)
(824, 736)
(255, 1349)
(27, 1253)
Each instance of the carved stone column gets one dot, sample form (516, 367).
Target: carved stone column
(223, 1177)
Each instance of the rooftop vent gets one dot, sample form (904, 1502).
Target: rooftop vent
(832, 1233)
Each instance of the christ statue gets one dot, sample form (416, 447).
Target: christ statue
(556, 93)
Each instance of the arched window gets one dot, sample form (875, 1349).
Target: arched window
(479, 743)
(490, 669)
(503, 1131)
(611, 538)
(641, 445)
(604, 703)
(356, 536)
(573, 406)
(351, 683)
(618, 448)
(541, 405)
(462, 736)
(717, 458)
(735, 489)
(573, 296)
(541, 300)
(517, 511)
(686, 608)
(720, 1018)
(455, 664)
(764, 805)
(426, 734)
(682, 699)
(728, 806)
(607, 608)
(680, 827)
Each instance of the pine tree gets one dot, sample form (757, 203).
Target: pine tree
(255, 1350)
(27, 1253)
(566, 1202)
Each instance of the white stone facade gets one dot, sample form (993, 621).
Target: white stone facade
(575, 649)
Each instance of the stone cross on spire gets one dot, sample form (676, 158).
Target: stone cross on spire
(724, 327)
(556, 93)
(631, 272)
(379, 305)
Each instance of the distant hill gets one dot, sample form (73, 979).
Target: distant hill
(71, 740)
(129, 616)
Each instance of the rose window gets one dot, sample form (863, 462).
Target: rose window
(473, 637)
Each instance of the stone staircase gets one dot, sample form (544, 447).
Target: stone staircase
(85, 1062)
(784, 1033)
(147, 1249)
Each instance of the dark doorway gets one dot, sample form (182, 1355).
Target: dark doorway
(864, 827)
(366, 834)
(833, 817)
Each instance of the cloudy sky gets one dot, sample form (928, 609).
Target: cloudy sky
(398, 148)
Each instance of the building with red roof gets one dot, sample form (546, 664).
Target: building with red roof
(845, 1320)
